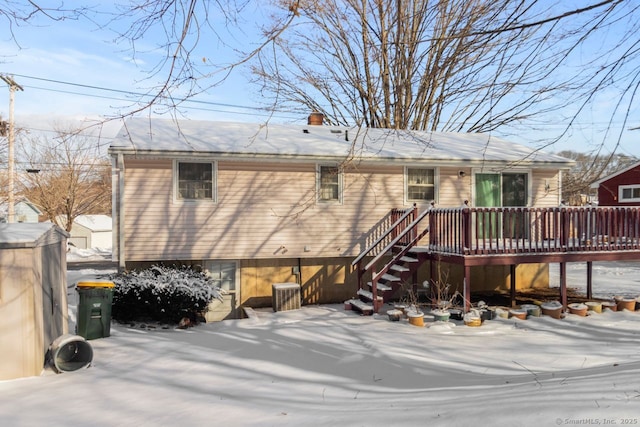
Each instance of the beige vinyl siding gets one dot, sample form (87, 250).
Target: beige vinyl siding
(263, 211)
(542, 196)
(454, 190)
(269, 210)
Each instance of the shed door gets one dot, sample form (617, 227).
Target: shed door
(53, 294)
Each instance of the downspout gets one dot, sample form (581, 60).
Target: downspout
(114, 208)
(120, 214)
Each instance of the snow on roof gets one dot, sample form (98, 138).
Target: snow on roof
(25, 234)
(259, 141)
(95, 222)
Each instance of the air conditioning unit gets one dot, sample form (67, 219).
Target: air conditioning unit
(285, 296)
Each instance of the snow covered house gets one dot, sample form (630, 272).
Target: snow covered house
(258, 205)
(621, 188)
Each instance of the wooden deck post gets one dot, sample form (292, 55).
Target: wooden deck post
(466, 285)
(563, 284)
(512, 272)
(589, 279)
(466, 229)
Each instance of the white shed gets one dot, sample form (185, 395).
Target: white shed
(33, 295)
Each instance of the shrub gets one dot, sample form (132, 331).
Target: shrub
(162, 294)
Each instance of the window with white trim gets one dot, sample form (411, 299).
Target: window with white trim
(421, 184)
(629, 193)
(195, 180)
(329, 184)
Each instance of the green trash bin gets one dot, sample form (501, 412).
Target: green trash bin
(94, 309)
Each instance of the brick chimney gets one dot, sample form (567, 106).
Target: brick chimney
(315, 119)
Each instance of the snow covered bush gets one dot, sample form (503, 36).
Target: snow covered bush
(162, 294)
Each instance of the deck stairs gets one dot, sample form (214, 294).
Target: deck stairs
(400, 278)
(394, 269)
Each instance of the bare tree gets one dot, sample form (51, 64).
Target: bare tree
(66, 176)
(576, 183)
(184, 33)
(452, 65)
(14, 14)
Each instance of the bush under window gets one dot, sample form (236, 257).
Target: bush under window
(162, 294)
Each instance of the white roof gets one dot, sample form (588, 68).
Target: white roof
(164, 137)
(95, 222)
(26, 234)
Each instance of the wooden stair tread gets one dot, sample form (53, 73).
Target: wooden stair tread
(399, 268)
(368, 294)
(390, 278)
(361, 306)
(381, 287)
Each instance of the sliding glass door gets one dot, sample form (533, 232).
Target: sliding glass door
(501, 190)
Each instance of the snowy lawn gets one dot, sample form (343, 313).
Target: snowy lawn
(322, 365)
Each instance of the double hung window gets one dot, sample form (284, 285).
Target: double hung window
(421, 185)
(195, 180)
(329, 184)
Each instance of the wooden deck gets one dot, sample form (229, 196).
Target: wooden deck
(518, 234)
(505, 236)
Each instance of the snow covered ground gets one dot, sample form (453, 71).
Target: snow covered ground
(323, 366)
(608, 278)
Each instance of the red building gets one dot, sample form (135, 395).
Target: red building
(621, 188)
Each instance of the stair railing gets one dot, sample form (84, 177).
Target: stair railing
(407, 237)
(393, 230)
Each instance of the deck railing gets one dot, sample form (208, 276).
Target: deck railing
(482, 234)
(479, 231)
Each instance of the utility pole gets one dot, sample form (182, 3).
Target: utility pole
(11, 196)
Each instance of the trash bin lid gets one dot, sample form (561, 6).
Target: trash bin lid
(95, 284)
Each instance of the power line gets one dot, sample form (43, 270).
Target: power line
(187, 100)
(254, 110)
(209, 103)
(126, 92)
